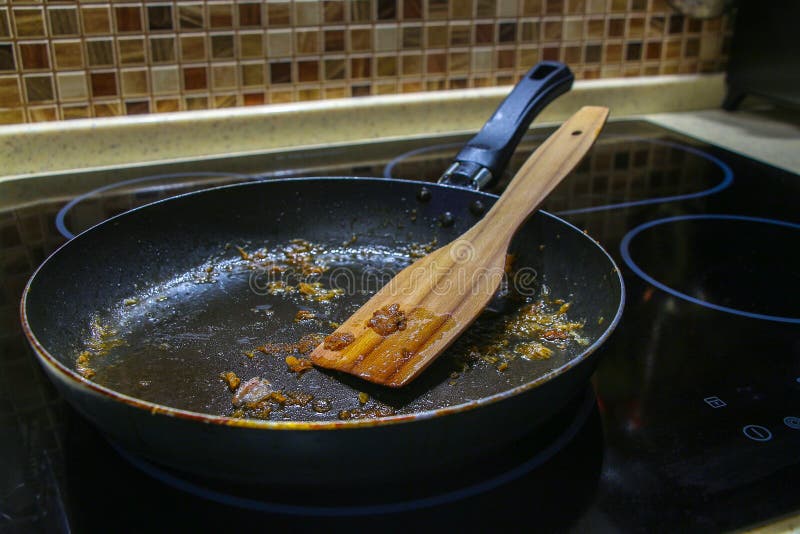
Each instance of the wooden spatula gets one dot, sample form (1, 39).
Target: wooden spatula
(392, 338)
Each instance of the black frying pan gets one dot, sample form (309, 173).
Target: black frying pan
(145, 275)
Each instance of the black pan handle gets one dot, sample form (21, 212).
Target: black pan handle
(485, 156)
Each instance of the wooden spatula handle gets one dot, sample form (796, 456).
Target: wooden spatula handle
(543, 170)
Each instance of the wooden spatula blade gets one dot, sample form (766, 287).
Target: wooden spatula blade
(401, 330)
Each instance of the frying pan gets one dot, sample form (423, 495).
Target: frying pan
(145, 274)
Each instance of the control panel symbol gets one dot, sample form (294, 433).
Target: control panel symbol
(792, 422)
(757, 432)
(715, 402)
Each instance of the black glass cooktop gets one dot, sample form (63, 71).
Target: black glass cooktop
(692, 424)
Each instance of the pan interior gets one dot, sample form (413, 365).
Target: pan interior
(168, 297)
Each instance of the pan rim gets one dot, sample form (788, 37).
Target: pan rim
(72, 378)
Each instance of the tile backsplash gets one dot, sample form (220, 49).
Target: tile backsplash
(65, 60)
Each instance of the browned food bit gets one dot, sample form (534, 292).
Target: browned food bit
(321, 405)
(502, 367)
(533, 351)
(252, 392)
(344, 415)
(298, 365)
(387, 320)
(278, 397)
(86, 372)
(309, 342)
(231, 379)
(304, 315)
(243, 253)
(554, 335)
(363, 398)
(338, 340)
(297, 398)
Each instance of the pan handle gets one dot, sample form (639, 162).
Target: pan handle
(485, 156)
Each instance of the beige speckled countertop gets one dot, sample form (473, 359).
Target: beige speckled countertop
(95, 143)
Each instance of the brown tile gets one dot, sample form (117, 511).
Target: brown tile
(638, 5)
(529, 31)
(361, 10)
(676, 23)
(167, 105)
(162, 49)
(308, 71)
(673, 49)
(486, 8)
(107, 109)
(252, 74)
(131, 51)
(334, 40)
(576, 7)
(696, 25)
(12, 116)
(618, 6)
(222, 46)
(553, 30)
(387, 9)
(593, 53)
(128, 18)
(507, 32)
(460, 34)
(653, 50)
(411, 37)
(385, 88)
(635, 27)
(436, 63)
(335, 69)
(553, 7)
(193, 47)
(656, 26)
(360, 39)
(505, 59)
(279, 14)
(251, 45)
(307, 41)
(220, 16)
(76, 112)
(333, 10)
(616, 27)
(137, 107)
(5, 29)
(462, 9)
(67, 54)
(458, 83)
(195, 78)
(43, 114)
(484, 33)
(39, 88)
(692, 48)
(386, 66)
(29, 22)
(224, 101)
(134, 82)
(280, 72)
(361, 90)
(191, 16)
(551, 53)
(306, 13)
(412, 87)
(223, 76)
(360, 67)
(249, 15)
(194, 103)
(458, 62)
(613, 53)
(159, 17)
(412, 9)
(63, 21)
(528, 57)
(572, 55)
(437, 9)
(104, 84)
(595, 28)
(411, 65)
(532, 7)
(7, 61)
(9, 91)
(435, 85)
(253, 99)
(436, 36)
(100, 52)
(96, 20)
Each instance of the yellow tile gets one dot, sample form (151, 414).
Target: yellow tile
(193, 47)
(12, 116)
(251, 45)
(68, 54)
(10, 95)
(165, 80)
(134, 82)
(223, 76)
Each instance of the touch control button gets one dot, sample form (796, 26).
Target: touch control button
(757, 433)
(792, 422)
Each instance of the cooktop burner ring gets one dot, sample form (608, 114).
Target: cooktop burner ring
(626, 256)
(727, 172)
(62, 213)
(579, 418)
